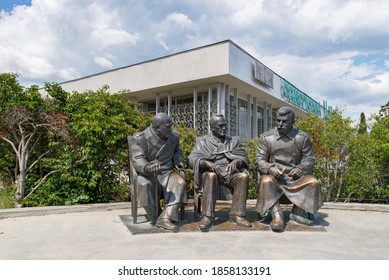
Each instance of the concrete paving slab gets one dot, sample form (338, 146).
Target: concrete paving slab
(101, 235)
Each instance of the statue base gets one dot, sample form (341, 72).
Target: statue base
(221, 223)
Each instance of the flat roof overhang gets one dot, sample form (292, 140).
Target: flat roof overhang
(183, 88)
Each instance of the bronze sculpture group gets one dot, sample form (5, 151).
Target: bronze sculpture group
(284, 161)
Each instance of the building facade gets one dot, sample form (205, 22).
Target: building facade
(192, 85)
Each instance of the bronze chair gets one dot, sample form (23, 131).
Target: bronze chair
(197, 196)
(222, 194)
(133, 175)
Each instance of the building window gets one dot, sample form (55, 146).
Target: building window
(149, 107)
(274, 118)
(260, 120)
(242, 129)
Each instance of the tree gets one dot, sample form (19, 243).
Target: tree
(25, 122)
(362, 128)
(345, 160)
(330, 138)
(361, 169)
(99, 123)
(7, 165)
(380, 135)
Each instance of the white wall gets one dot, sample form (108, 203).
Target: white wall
(242, 66)
(183, 67)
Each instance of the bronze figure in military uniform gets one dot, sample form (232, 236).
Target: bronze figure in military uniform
(220, 160)
(155, 156)
(285, 159)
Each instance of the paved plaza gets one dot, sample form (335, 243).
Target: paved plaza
(97, 232)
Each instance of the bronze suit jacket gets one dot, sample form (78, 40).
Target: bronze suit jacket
(285, 151)
(150, 148)
(207, 149)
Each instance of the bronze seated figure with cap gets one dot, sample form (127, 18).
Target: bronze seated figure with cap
(284, 159)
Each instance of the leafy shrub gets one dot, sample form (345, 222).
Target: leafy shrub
(7, 197)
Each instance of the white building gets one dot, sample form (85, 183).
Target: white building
(192, 85)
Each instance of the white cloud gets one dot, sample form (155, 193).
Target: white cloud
(103, 62)
(181, 20)
(336, 79)
(60, 39)
(160, 39)
(106, 28)
(109, 37)
(324, 47)
(67, 74)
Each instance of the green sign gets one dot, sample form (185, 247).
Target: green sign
(299, 99)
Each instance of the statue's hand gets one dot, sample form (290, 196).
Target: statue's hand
(153, 168)
(276, 172)
(209, 165)
(296, 173)
(233, 166)
(180, 166)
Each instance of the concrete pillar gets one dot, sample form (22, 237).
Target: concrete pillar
(236, 101)
(157, 102)
(248, 116)
(228, 108)
(270, 115)
(255, 118)
(209, 106)
(169, 103)
(223, 94)
(220, 99)
(194, 107)
(265, 117)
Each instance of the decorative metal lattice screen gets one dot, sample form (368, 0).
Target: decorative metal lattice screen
(183, 114)
(233, 118)
(202, 119)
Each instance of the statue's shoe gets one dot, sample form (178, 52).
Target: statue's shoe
(166, 224)
(300, 219)
(300, 216)
(277, 225)
(240, 221)
(205, 223)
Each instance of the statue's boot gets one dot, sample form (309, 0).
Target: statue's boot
(300, 216)
(277, 224)
(164, 221)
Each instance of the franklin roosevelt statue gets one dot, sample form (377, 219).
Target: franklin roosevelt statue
(285, 159)
(155, 156)
(220, 160)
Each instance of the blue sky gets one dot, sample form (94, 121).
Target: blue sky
(8, 5)
(333, 50)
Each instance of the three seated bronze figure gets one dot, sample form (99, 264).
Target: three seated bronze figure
(284, 164)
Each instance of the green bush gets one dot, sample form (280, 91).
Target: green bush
(187, 143)
(7, 197)
(251, 147)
